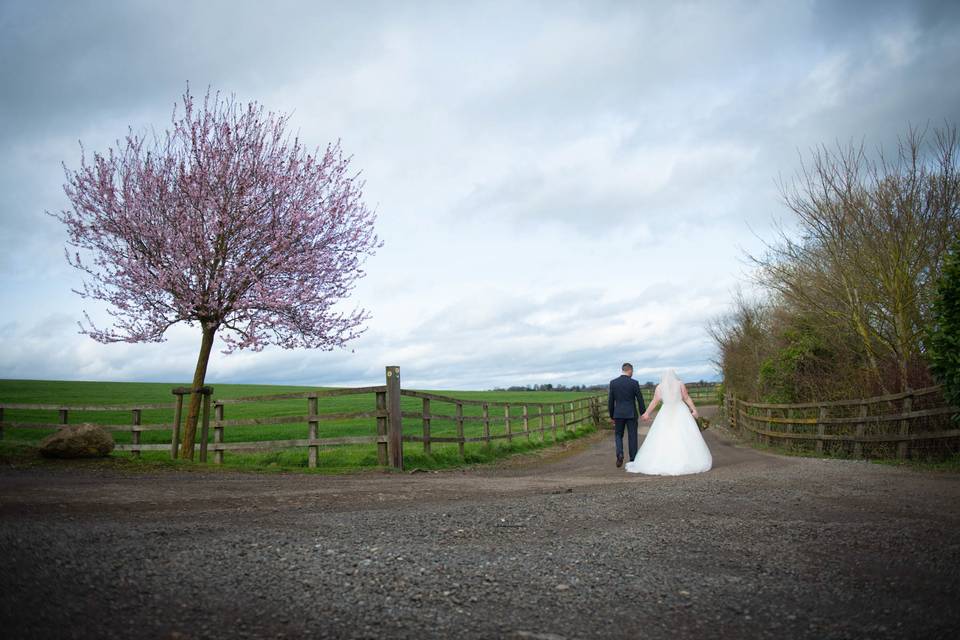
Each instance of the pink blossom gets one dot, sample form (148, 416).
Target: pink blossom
(224, 220)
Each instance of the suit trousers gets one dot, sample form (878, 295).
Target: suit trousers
(631, 426)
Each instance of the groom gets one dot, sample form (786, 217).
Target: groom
(622, 403)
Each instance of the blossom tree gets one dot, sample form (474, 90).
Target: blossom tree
(224, 221)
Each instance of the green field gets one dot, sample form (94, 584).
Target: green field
(19, 443)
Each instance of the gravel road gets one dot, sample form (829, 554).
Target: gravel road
(559, 545)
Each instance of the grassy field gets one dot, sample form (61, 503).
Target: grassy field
(19, 443)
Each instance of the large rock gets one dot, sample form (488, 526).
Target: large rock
(77, 441)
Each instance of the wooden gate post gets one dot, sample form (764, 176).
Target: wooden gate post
(526, 421)
(218, 432)
(382, 457)
(175, 432)
(903, 447)
(394, 418)
(426, 426)
(486, 425)
(205, 427)
(135, 433)
(459, 421)
(506, 422)
(313, 429)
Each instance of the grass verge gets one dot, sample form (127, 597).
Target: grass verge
(331, 460)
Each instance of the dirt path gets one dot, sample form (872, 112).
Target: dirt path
(587, 462)
(562, 545)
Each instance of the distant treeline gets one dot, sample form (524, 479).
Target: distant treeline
(585, 387)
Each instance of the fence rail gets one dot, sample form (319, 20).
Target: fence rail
(703, 394)
(519, 420)
(894, 425)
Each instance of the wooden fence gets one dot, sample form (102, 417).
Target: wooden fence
(701, 394)
(897, 425)
(389, 434)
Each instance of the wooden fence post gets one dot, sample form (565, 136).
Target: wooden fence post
(135, 433)
(543, 433)
(394, 418)
(382, 427)
(205, 428)
(313, 429)
(903, 447)
(821, 415)
(787, 427)
(553, 420)
(426, 426)
(175, 432)
(459, 419)
(486, 425)
(769, 414)
(506, 422)
(218, 432)
(526, 421)
(63, 416)
(860, 428)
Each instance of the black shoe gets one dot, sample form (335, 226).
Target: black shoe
(619, 461)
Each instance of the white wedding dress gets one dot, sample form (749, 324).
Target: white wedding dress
(673, 445)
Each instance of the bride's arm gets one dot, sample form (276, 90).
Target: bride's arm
(653, 404)
(688, 400)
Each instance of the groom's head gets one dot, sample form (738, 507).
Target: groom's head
(627, 369)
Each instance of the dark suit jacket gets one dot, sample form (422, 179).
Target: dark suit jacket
(624, 398)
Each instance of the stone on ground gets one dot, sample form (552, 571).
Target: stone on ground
(77, 441)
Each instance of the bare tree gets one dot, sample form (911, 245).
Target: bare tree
(870, 241)
(742, 337)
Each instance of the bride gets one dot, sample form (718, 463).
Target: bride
(673, 445)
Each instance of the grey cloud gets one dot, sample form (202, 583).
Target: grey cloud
(749, 83)
(68, 62)
(593, 124)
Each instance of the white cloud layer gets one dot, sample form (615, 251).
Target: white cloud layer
(561, 186)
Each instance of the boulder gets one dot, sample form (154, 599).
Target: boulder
(77, 441)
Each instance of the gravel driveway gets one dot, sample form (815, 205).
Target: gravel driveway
(562, 545)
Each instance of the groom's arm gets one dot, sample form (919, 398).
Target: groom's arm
(640, 400)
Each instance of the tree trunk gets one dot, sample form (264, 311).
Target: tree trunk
(193, 414)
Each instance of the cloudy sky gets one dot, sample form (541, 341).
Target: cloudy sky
(561, 186)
